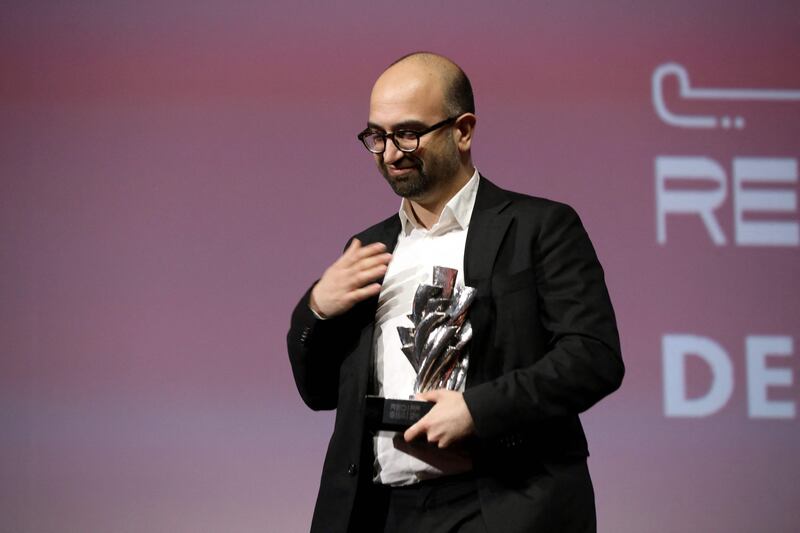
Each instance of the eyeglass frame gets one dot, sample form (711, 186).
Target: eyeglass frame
(363, 135)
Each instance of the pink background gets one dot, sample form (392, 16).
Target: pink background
(174, 175)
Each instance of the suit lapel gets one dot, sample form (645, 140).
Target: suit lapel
(487, 227)
(389, 232)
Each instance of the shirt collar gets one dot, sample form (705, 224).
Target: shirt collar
(455, 214)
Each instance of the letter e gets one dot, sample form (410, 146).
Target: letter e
(760, 377)
(764, 170)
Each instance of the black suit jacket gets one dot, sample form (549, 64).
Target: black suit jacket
(545, 347)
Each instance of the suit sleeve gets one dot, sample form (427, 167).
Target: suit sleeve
(583, 362)
(316, 349)
(314, 374)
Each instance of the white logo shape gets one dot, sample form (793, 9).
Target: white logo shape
(690, 93)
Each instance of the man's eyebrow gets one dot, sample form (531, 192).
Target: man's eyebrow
(405, 125)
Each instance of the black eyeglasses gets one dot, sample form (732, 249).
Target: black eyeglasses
(405, 140)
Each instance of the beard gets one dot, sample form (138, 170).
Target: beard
(416, 182)
(423, 175)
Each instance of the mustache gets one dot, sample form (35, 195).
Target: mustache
(413, 162)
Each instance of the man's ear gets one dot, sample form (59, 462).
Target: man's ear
(464, 129)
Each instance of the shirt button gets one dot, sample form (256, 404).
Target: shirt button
(352, 470)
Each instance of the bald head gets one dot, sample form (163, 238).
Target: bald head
(424, 93)
(443, 75)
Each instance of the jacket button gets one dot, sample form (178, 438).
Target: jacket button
(304, 335)
(352, 470)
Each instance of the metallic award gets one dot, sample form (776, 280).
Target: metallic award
(436, 345)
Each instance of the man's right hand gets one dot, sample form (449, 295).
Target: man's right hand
(351, 279)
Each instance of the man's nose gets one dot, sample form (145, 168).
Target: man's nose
(391, 154)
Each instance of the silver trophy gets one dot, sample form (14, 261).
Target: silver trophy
(436, 345)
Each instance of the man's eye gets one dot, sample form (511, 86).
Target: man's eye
(407, 135)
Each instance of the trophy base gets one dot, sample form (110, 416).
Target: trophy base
(388, 414)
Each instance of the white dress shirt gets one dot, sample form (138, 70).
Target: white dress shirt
(418, 250)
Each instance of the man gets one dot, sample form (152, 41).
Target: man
(506, 453)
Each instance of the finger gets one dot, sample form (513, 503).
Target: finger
(355, 245)
(369, 250)
(365, 292)
(349, 254)
(352, 248)
(356, 251)
(414, 431)
(430, 396)
(368, 276)
(371, 261)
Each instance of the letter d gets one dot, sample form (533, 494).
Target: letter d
(675, 348)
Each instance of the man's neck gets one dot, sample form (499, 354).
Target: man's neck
(428, 211)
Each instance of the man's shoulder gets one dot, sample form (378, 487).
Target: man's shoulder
(519, 203)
